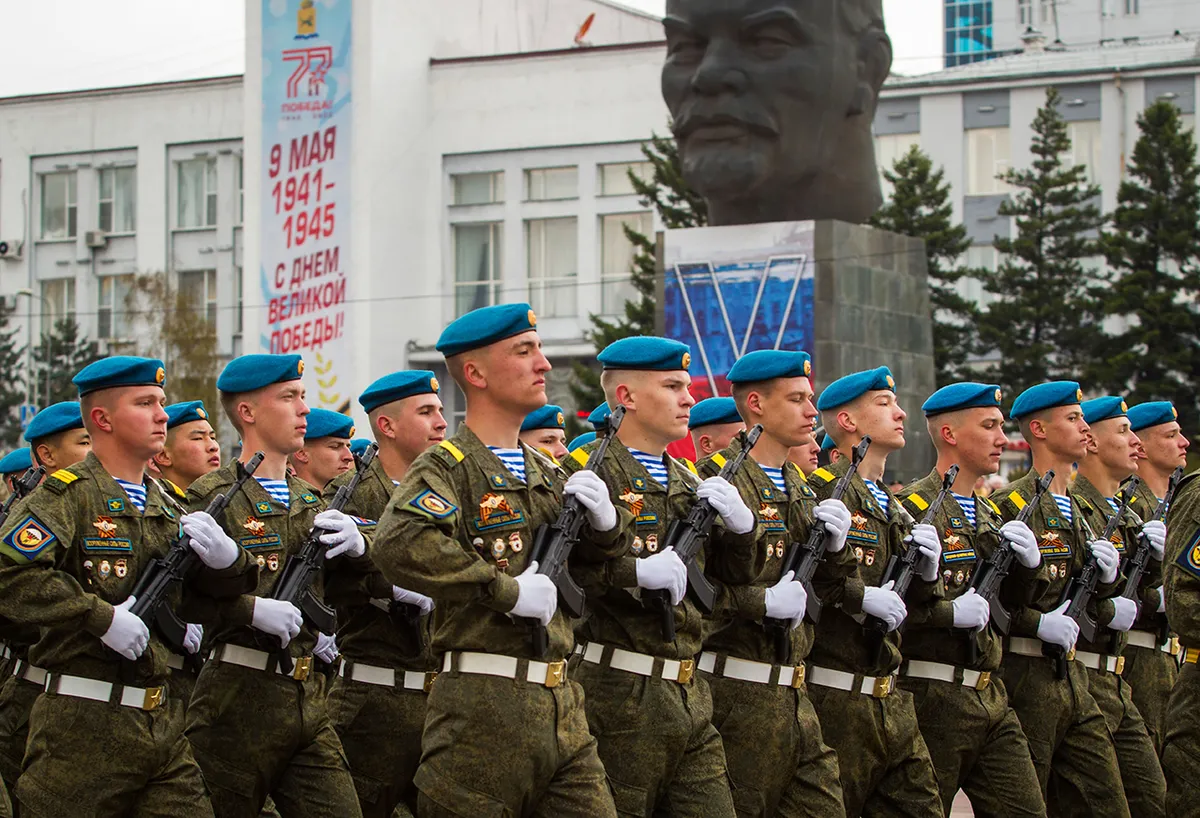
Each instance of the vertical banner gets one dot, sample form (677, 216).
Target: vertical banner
(306, 261)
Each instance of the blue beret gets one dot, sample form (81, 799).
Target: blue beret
(599, 416)
(325, 423)
(1105, 408)
(485, 326)
(17, 461)
(120, 370)
(583, 440)
(966, 395)
(714, 410)
(359, 445)
(548, 417)
(827, 445)
(58, 417)
(398, 385)
(1154, 413)
(186, 412)
(846, 389)
(1046, 396)
(765, 364)
(646, 352)
(249, 372)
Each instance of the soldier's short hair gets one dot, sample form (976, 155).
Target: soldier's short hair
(229, 403)
(741, 394)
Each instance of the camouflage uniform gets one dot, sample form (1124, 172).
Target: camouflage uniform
(380, 725)
(974, 737)
(458, 529)
(22, 684)
(657, 741)
(778, 761)
(75, 549)
(1181, 568)
(1141, 773)
(182, 679)
(885, 764)
(1068, 737)
(257, 733)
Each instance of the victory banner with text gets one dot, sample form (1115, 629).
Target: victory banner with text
(305, 224)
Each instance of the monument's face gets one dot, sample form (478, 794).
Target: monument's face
(757, 89)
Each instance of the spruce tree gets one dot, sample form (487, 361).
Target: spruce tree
(12, 395)
(56, 359)
(920, 207)
(1042, 325)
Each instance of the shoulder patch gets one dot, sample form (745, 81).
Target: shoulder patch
(917, 501)
(580, 456)
(1017, 500)
(1189, 559)
(824, 474)
(308, 498)
(27, 540)
(433, 504)
(454, 450)
(719, 459)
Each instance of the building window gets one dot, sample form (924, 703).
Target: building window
(59, 218)
(553, 252)
(477, 265)
(198, 192)
(118, 200)
(544, 184)
(237, 178)
(968, 31)
(58, 301)
(616, 258)
(1085, 148)
(478, 188)
(988, 156)
(112, 318)
(1025, 12)
(888, 149)
(1132, 7)
(199, 287)
(614, 179)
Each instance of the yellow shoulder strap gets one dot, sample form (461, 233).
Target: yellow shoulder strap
(918, 501)
(450, 447)
(1017, 500)
(995, 507)
(719, 459)
(65, 476)
(825, 474)
(800, 473)
(580, 456)
(691, 466)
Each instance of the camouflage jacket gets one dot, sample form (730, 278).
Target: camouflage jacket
(75, 549)
(1144, 504)
(459, 529)
(1181, 563)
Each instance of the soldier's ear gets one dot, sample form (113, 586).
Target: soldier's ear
(474, 375)
(385, 426)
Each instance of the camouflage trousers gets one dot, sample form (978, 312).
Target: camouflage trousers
(1181, 744)
(778, 762)
(87, 759)
(883, 760)
(256, 734)
(1141, 773)
(6, 810)
(976, 745)
(1068, 737)
(16, 701)
(1151, 674)
(507, 747)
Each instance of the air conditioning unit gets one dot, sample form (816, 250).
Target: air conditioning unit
(11, 248)
(95, 239)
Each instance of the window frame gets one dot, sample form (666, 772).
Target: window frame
(70, 205)
(495, 263)
(112, 308)
(540, 288)
(209, 195)
(208, 306)
(996, 186)
(529, 183)
(113, 198)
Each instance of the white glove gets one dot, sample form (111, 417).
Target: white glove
(209, 540)
(593, 494)
(1107, 558)
(1126, 615)
(787, 599)
(971, 611)
(412, 598)
(1056, 628)
(738, 518)
(277, 618)
(884, 603)
(930, 545)
(1162, 600)
(343, 534)
(537, 598)
(128, 634)
(836, 517)
(193, 638)
(1156, 533)
(663, 570)
(326, 649)
(1024, 543)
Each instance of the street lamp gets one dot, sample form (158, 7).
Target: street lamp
(48, 306)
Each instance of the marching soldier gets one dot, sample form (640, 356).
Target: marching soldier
(952, 650)
(580, 441)
(14, 464)
(505, 730)
(650, 713)
(806, 456)
(106, 730)
(379, 707)
(713, 423)
(57, 437)
(1150, 663)
(871, 723)
(778, 762)
(326, 450)
(546, 429)
(257, 729)
(1068, 737)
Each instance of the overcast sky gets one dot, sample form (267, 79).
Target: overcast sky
(63, 45)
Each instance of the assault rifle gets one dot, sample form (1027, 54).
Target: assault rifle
(21, 487)
(990, 576)
(803, 558)
(296, 579)
(553, 543)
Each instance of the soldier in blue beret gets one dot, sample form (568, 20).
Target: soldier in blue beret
(1068, 735)
(249, 719)
(599, 416)
(359, 446)
(326, 450)
(713, 423)
(68, 562)
(773, 739)
(581, 441)
(546, 429)
(191, 450)
(851, 683)
(459, 529)
(1164, 446)
(16, 463)
(56, 436)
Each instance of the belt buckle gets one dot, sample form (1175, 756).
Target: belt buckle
(154, 698)
(429, 677)
(798, 676)
(1071, 655)
(302, 669)
(687, 669)
(883, 686)
(555, 673)
(983, 681)
(1120, 668)
(1174, 642)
